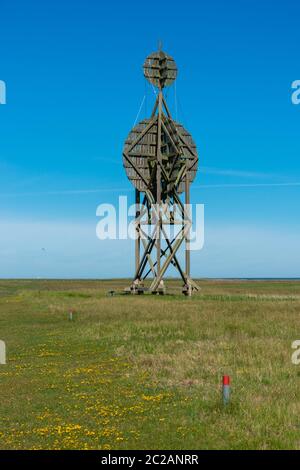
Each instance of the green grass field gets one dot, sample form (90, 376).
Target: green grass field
(144, 372)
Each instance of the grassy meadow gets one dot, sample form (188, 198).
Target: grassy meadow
(144, 372)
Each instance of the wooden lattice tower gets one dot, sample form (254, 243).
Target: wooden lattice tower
(160, 159)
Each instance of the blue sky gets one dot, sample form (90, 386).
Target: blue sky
(74, 87)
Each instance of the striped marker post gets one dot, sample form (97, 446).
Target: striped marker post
(226, 389)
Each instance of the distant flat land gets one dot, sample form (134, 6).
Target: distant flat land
(144, 372)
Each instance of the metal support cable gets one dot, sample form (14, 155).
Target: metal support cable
(139, 112)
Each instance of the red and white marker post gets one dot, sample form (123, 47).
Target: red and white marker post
(226, 389)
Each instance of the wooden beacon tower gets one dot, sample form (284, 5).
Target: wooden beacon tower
(160, 159)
